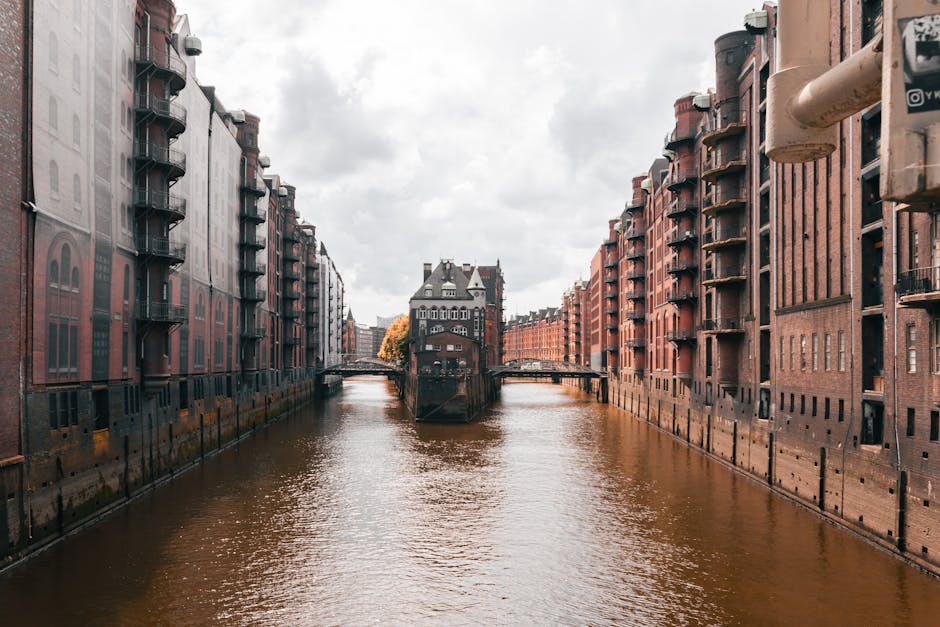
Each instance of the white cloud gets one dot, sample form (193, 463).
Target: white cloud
(476, 129)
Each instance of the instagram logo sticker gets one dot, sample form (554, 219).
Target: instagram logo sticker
(915, 97)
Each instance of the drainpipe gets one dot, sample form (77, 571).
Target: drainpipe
(27, 254)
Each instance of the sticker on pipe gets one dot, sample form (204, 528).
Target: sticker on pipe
(920, 42)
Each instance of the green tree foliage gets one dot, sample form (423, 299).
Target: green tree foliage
(395, 344)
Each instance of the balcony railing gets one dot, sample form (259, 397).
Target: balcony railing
(680, 336)
(634, 233)
(725, 236)
(633, 316)
(724, 167)
(635, 294)
(678, 266)
(251, 212)
(677, 237)
(635, 343)
(635, 254)
(172, 112)
(290, 294)
(683, 178)
(610, 280)
(636, 275)
(252, 240)
(290, 313)
(676, 138)
(920, 284)
(164, 61)
(733, 199)
(723, 325)
(732, 129)
(252, 266)
(291, 235)
(290, 254)
(291, 274)
(723, 274)
(153, 200)
(611, 348)
(162, 247)
(172, 159)
(254, 333)
(163, 312)
(251, 292)
(679, 295)
(254, 187)
(679, 208)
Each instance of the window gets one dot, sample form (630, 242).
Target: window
(77, 191)
(936, 345)
(53, 114)
(53, 53)
(841, 351)
(428, 347)
(454, 314)
(76, 131)
(911, 340)
(76, 73)
(827, 352)
(464, 314)
(791, 353)
(802, 352)
(449, 293)
(54, 177)
(436, 329)
(910, 422)
(815, 352)
(428, 291)
(124, 348)
(460, 330)
(127, 283)
(434, 314)
(934, 426)
(422, 313)
(782, 355)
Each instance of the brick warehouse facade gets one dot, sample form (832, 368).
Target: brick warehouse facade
(781, 318)
(175, 301)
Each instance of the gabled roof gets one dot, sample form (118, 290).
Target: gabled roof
(445, 272)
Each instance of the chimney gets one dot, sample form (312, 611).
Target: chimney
(466, 268)
(427, 271)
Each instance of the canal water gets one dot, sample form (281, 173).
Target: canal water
(550, 509)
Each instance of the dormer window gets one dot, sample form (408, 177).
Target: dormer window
(449, 293)
(428, 291)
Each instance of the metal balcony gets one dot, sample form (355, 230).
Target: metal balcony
(290, 274)
(172, 114)
(250, 212)
(733, 200)
(684, 178)
(635, 233)
(611, 280)
(160, 312)
(174, 207)
(290, 313)
(635, 343)
(679, 237)
(252, 293)
(635, 295)
(291, 235)
(634, 255)
(253, 267)
(676, 139)
(290, 255)
(919, 287)
(290, 294)
(681, 296)
(733, 129)
(161, 248)
(164, 62)
(728, 168)
(724, 237)
(679, 266)
(251, 240)
(635, 275)
(679, 209)
(254, 187)
(634, 316)
(150, 154)
(723, 275)
(680, 336)
(723, 326)
(254, 333)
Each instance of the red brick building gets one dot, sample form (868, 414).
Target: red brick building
(781, 317)
(170, 292)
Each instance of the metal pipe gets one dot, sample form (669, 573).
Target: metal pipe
(842, 90)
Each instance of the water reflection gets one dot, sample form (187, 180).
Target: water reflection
(551, 508)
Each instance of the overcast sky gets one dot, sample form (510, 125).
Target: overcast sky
(475, 130)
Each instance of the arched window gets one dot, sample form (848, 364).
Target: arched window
(76, 72)
(53, 113)
(54, 272)
(77, 190)
(74, 278)
(66, 264)
(53, 52)
(76, 131)
(54, 177)
(127, 283)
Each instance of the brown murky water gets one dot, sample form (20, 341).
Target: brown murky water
(551, 509)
